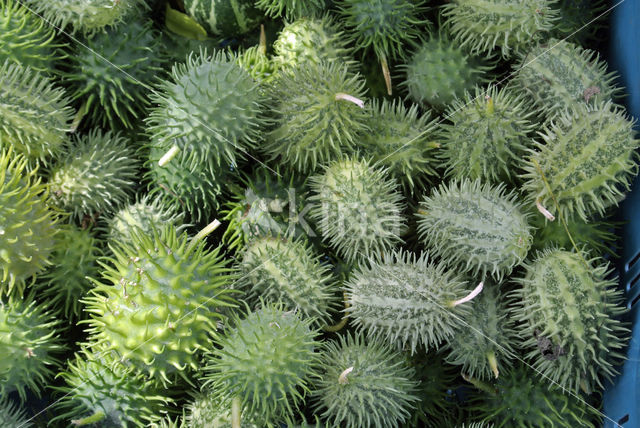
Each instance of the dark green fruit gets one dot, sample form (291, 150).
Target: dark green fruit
(224, 17)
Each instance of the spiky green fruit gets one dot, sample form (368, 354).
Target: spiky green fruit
(265, 361)
(510, 26)
(29, 343)
(410, 301)
(65, 282)
(11, 415)
(27, 226)
(440, 71)
(580, 20)
(108, 73)
(568, 307)
(318, 115)
(487, 135)
(357, 209)
(291, 9)
(159, 302)
(224, 17)
(562, 75)
(96, 174)
(587, 160)
(403, 142)
(364, 384)
(477, 228)
(597, 236)
(34, 114)
(260, 67)
(486, 346)
(209, 411)
(283, 270)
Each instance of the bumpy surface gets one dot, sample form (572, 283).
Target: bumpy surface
(291, 9)
(587, 161)
(96, 174)
(407, 300)
(224, 17)
(313, 125)
(487, 136)
(267, 360)
(208, 410)
(568, 307)
(160, 302)
(506, 25)
(357, 209)
(28, 344)
(364, 384)
(258, 64)
(478, 228)
(34, 114)
(11, 416)
(27, 226)
(598, 237)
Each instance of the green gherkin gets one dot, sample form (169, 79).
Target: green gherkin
(357, 209)
(108, 73)
(567, 308)
(410, 301)
(160, 301)
(28, 344)
(11, 415)
(34, 114)
(364, 384)
(27, 226)
(265, 361)
(487, 136)
(587, 160)
(96, 174)
(475, 227)
(291, 9)
(318, 115)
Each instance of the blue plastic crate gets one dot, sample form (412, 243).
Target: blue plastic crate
(622, 399)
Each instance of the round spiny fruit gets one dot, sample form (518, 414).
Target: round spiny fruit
(224, 17)
(34, 115)
(364, 384)
(291, 9)
(409, 301)
(109, 71)
(587, 160)
(477, 228)
(65, 281)
(265, 361)
(11, 416)
(260, 67)
(509, 25)
(27, 226)
(209, 410)
(557, 75)
(487, 136)
(318, 114)
(281, 270)
(357, 209)
(160, 302)
(28, 341)
(402, 142)
(104, 391)
(96, 174)
(567, 308)
(486, 345)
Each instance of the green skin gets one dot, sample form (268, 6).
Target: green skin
(12, 415)
(209, 411)
(224, 17)
(291, 9)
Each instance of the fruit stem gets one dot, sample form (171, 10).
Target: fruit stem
(78, 117)
(342, 379)
(490, 107)
(202, 234)
(469, 296)
(347, 97)
(482, 386)
(493, 363)
(96, 417)
(236, 413)
(263, 40)
(166, 158)
(544, 211)
(386, 73)
(343, 322)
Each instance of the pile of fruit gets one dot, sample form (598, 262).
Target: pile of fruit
(286, 213)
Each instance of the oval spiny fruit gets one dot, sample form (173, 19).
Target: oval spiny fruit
(34, 114)
(598, 237)
(224, 17)
(11, 415)
(265, 361)
(364, 384)
(567, 308)
(402, 142)
(208, 410)
(291, 9)
(282, 270)
(440, 71)
(488, 135)
(475, 227)
(486, 345)
(557, 75)
(508, 25)
(28, 344)
(104, 391)
(110, 69)
(409, 301)
(587, 160)
(160, 302)
(357, 209)
(65, 281)
(27, 226)
(96, 174)
(318, 114)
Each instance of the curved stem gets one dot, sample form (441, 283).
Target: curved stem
(166, 158)
(96, 417)
(386, 74)
(351, 98)
(469, 296)
(236, 413)
(493, 363)
(203, 234)
(343, 322)
(342, 379)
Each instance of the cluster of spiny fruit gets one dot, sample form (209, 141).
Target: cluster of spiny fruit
(270, 213)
